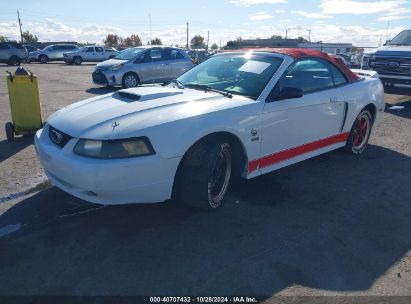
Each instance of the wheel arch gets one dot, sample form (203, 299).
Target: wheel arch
(372, 108)
(240, 158)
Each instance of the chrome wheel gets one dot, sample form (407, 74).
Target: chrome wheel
(130, 81)
(220, 177)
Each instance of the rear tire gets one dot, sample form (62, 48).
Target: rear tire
(130, 80)
(43, 59)
(206, 174)
(77, 60)
(14, 60)
(9, 131)
(360, 133)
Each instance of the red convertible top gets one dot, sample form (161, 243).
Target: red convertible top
(299, 53)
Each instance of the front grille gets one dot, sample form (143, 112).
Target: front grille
(98, 77)
(59, 138)
(391, 65)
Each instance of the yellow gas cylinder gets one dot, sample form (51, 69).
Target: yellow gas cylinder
(24, 104)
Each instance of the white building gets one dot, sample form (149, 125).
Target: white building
(334, 48)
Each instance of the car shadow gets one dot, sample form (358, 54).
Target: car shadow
(335, 223)
(102, 90)
(10, 148)
(402, 109)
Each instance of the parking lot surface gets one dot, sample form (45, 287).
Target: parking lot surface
(332, 225)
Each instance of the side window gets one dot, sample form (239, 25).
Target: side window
(90, 49)
(153, 55)
(72, 47)
(308, 75)
(4, 46)
(51, 49)
(339, 78)
(174, 54)
(99, 49)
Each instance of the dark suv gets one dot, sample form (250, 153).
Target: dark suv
(12, 53)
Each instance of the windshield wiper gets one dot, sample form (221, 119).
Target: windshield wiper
(179, 84)
(399, 44)
(206, 89)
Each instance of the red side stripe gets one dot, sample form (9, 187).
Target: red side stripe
(293, 152)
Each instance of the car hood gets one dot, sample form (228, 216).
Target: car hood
(110, 63)
(124, 113)
(392, 50)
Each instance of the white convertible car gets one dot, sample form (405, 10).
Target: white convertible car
(242, 113)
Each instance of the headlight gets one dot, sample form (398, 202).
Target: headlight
(117, 67)
(118, 148)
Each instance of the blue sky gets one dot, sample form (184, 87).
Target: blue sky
(362, 22)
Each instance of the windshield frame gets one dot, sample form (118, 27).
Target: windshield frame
(282, 61)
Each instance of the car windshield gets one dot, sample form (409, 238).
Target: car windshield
(243, 74)
(129, 54)
(403, 38)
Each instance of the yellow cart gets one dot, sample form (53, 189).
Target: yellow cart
(24, 104)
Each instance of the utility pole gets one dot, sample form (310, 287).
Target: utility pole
(309, 35)
(208, 38)
(188, 47)
(21, 33)
(151, 37)
(220, 44)
(286, 33)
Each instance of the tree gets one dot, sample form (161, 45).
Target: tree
(276, 37)
(2, 38)
(302, 39)
(156, 41)
(111, 40)
(239, 39)
(29, 37)
(197, 42)
(214, 46)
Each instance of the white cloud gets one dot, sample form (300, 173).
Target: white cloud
(280, 11)
(311, 15)
(391, 17)
(334, 7)
(255, 2)
(260, 16)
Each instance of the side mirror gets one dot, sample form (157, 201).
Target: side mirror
(290, 93)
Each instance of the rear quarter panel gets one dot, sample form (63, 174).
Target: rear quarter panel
(361, 93)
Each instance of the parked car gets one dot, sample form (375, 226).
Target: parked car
(140, 65)
(31, 48)
(393, 63)
(12, 53)
(237, 114)
(52, 53)
(199, 55)
(93, 53)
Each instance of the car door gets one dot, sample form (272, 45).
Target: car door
(51, 52)
(179, 64)
(99, 54)
(296, 128)
(89, 54)
(152, 66)
(4, 51)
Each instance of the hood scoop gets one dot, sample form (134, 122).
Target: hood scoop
(131, 97)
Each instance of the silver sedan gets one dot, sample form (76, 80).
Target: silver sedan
(141, 65)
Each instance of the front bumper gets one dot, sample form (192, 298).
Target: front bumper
(103, 77)
(147, 179)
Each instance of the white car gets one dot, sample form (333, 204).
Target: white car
(93, 53)
(242, 113)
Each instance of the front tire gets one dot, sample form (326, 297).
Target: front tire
(43, 59)
(360, 133)
(206, 174)
(130, 80)
(77, 60)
